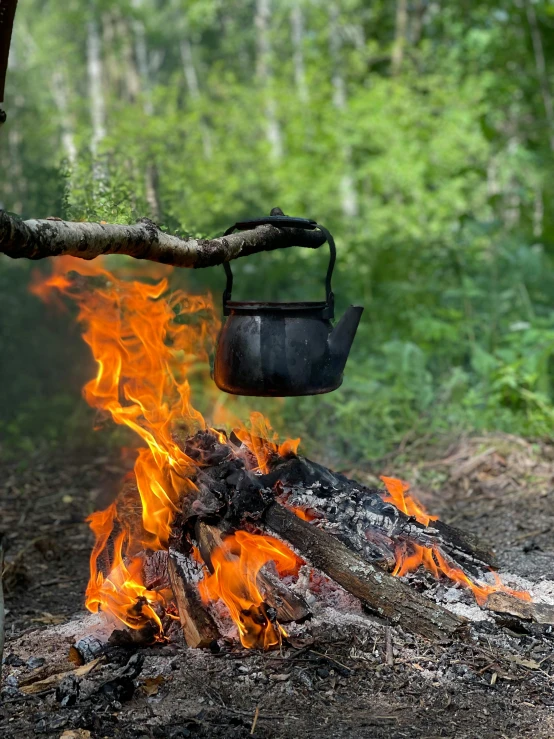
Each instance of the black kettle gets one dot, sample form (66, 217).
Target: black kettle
(283, 349)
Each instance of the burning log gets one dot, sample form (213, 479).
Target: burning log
(288, 606)
(199, 628)
(388, 596)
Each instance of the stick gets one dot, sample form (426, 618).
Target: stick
(199, 628)
(387, 595)
(37, 239)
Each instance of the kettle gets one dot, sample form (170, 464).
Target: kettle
(283, 349)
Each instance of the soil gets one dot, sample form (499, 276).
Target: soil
(333, 678)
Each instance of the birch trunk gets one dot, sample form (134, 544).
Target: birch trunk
(262, 21)
(401, 27)
(297, 33)
(349, 198)
(96, 95)
(191, 78)
(540, 65)
(60, 95)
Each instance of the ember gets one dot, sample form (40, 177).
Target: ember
(147, 343)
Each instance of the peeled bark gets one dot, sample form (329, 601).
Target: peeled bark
(37, 239)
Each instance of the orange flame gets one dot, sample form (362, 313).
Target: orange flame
(263, 441)
(236, 564)
(410, 557)
(146, 343)
(144, 351)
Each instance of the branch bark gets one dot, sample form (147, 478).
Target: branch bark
(37, 239)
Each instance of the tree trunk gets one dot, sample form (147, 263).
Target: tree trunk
(297, 33)
(96, 96)
(60, 95)
(191, 78)
(349, 198)
(399, 35)
(262, 22)
(540, 65)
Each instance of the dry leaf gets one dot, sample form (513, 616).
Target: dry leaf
(529, 663)
(151, 685)
(76, 734)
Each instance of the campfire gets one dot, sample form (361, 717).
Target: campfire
(218, 525)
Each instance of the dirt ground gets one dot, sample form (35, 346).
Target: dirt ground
(334, 678)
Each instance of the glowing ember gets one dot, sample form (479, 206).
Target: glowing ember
(411, 556)
(236, 566)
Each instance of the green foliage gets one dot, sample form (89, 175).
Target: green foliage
(449, 242)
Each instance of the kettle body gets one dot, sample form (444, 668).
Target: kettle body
(283, 349)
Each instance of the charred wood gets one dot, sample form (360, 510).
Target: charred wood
(385, 595)
(288, 606)
(199, 628)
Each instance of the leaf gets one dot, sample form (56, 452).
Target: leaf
(530, 664)
(151, 685)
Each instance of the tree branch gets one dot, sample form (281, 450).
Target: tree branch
(37, 239)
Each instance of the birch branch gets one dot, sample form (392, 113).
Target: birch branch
(37, 239)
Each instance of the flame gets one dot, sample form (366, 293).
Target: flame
(397, 490)
(144, 351)
(146, 342)
(236, 564)
(263, 441)
(411, 556)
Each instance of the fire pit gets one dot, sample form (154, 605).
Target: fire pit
(226, 538)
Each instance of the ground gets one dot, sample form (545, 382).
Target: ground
(333, 680)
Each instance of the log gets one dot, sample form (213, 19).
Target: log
(199, 628)
(387, 596)
(506, 604)
(37, 239)
(288, 605)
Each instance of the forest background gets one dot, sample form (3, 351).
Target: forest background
(420, 132)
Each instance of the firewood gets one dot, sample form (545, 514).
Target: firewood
(388, 596)
(504, 603)
(288, 605)
(199, 628)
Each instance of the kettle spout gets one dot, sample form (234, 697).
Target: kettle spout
(342, 336)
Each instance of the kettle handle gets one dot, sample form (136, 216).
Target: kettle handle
(289, 222)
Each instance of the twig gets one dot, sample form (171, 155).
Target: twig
(255, 721)
(389, 656)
